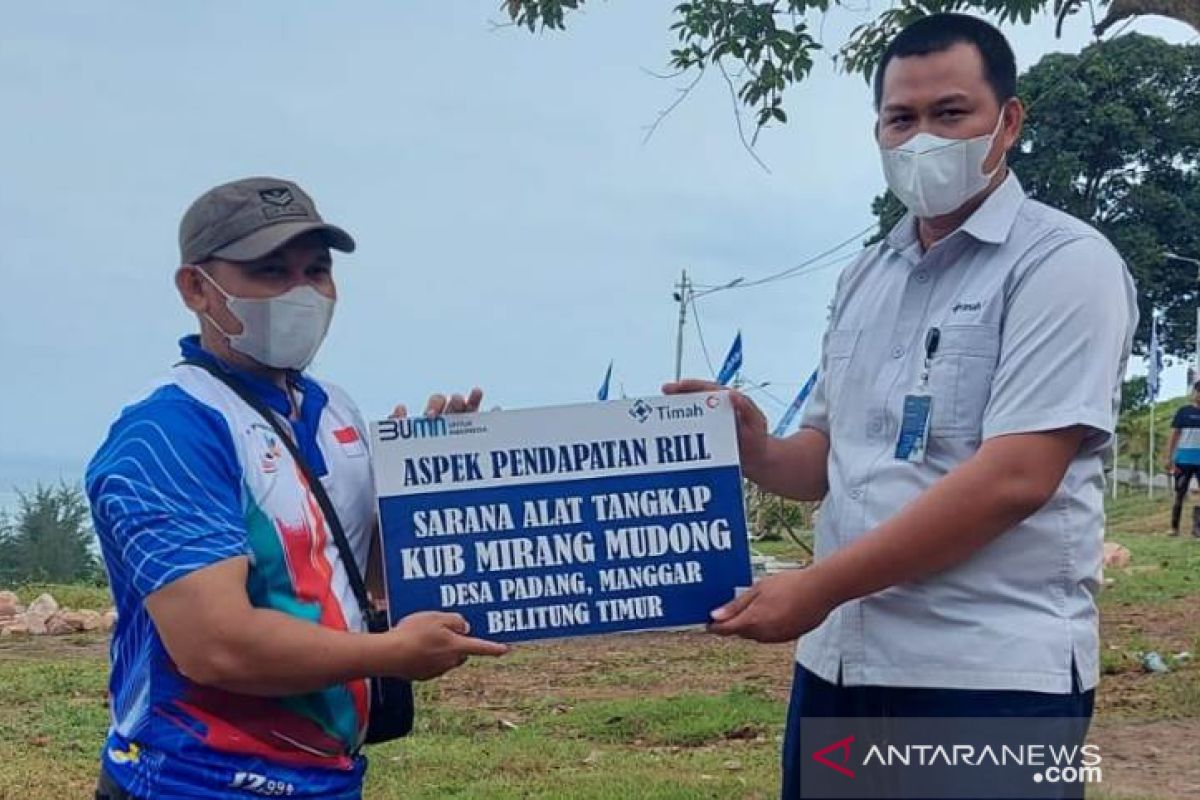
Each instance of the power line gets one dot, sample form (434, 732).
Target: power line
(798, 268)
(688, 295)
(761, 386)
(700, 335)
(801, 268)
(842, 259)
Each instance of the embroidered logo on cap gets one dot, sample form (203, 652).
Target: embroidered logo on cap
(276, 197)
(281, 202)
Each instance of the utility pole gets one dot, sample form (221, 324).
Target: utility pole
(682, 296)
(1153, 467)
(685, 292)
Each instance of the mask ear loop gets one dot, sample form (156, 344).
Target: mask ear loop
(224, 294)
(992, 142)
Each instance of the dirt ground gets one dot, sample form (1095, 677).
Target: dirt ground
(1155, 759)
(1173, 623)
(1158, 758)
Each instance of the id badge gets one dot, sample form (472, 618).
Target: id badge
(914, 428)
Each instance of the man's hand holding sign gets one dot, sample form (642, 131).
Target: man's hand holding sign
(1008, 479)
(440, 639)
(783, 606)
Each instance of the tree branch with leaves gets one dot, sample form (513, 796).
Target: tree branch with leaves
(770, 46)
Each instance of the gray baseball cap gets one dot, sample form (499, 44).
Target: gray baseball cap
(247, 219)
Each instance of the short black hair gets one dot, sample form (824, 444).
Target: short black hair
(1196, 386)
(937, 33)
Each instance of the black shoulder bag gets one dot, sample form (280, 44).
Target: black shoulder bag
(391, 698)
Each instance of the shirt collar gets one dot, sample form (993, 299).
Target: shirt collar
(275, 397)
(991, 223)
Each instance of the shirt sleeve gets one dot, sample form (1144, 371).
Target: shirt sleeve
(1177, 421)
(1066, 335)
(165, 491)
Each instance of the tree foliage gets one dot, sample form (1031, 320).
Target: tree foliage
(1113, 138)
(50, 539)
(768, 46)
(1135, 394)
(1133, 434)
(1119, 145)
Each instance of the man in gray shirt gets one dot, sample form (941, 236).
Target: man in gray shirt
(969, 387)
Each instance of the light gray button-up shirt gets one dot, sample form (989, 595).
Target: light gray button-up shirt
(1037, 313)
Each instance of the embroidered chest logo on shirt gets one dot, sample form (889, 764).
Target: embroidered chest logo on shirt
(266, 447)
(958, 307)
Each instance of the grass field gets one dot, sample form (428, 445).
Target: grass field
(644, 716)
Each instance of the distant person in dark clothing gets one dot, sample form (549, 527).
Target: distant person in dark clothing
(1183, 455)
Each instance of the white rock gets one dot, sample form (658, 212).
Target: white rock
(1116, 556)
(58, 625)
(44, 606)
(9, 604)
(14, 629)
(39, 613)
(73, 621)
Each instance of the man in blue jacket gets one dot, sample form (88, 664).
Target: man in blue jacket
(240, 657)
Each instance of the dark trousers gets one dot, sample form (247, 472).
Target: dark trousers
(1183, 479)
(813, 697)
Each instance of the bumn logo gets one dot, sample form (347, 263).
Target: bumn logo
(641, 410)
(418, 428)
(842, 748)
(277, 197)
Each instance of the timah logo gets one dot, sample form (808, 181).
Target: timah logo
(641, 410)
(841, 748)
(417, 428)
(277, 197)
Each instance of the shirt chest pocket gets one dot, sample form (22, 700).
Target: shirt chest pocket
(960, 379)
(839, 350)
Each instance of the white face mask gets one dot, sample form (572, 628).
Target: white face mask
(283, 332)
(933, 176)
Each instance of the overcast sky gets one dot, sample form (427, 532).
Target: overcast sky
(514, 230)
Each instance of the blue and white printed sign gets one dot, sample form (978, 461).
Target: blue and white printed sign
(565, 521)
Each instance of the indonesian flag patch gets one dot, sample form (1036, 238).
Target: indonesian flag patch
(351, 442)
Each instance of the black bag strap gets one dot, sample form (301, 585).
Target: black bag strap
(314, 483)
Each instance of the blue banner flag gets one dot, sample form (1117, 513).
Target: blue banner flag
(785, 421)
(602, 395)
(733, 362)
(1156, 357)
